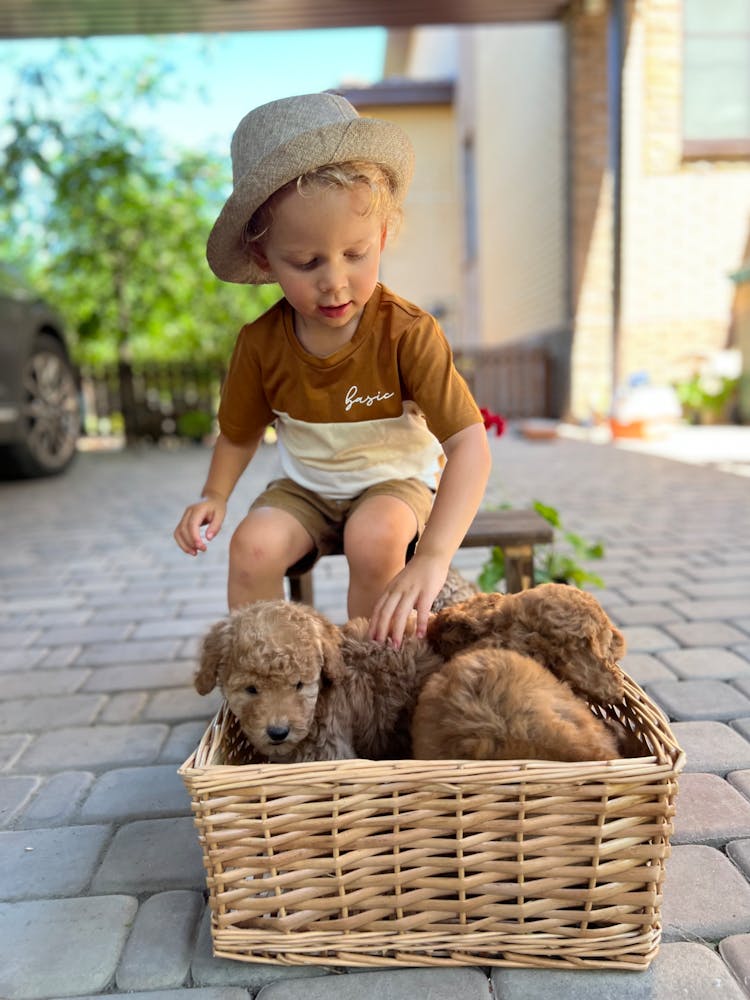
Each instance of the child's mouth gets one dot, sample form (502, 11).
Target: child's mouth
(334, 312)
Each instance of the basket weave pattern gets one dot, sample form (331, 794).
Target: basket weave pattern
(366, 863)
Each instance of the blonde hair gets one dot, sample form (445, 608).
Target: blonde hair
(347, 176)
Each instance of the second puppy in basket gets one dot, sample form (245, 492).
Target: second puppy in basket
(520, 669)
(496, 704)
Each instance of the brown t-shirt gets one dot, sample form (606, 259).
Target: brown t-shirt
(376, 409)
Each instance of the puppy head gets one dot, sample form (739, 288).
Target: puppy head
(569, 631)
(270, 660)
(577, 615)
(457, 626)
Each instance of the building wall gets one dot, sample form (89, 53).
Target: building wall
(422, 261)
(685, 224)
(430, 54)
(540, 130)
(591, 203)
(511, 104)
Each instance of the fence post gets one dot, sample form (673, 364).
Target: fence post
(127, 401)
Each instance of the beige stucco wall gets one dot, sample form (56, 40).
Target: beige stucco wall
(511, 91)
(431, 53)
(510, 102)
(423, 261)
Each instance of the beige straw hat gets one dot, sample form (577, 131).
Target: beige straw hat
(278, 142)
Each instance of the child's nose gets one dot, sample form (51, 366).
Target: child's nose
(331, 278)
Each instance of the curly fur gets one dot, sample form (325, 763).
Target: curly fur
(561, 627)
(303, 689)
(495, 704)
(455, 589)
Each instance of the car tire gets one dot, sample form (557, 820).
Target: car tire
(50, 414)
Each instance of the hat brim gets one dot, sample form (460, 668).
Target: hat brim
(369, 139)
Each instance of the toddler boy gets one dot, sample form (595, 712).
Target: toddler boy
(383, 449)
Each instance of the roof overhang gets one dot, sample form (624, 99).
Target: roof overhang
(399, 92)
(57, 18)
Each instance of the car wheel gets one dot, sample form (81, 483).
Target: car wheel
(50, 412)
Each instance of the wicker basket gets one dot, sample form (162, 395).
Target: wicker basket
(437, 863)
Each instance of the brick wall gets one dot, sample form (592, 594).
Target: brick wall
(685, 224)
(591, 214)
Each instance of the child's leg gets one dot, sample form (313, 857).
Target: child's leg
(266, 543)
(376, 538)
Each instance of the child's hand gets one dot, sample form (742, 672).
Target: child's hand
(209, 513)
(415, 588)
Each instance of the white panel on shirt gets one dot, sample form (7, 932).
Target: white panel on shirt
(340, 460)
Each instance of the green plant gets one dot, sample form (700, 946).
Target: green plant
(195, 424)
(551, 564)
(706, 394)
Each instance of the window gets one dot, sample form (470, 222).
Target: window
(716, 78)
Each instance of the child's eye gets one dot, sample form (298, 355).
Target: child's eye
(307, 265)
(356, 256)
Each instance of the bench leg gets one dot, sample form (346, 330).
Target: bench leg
(519, 567)
(301, 588)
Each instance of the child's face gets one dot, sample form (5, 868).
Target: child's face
(324, 251)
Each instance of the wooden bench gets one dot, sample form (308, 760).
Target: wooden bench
(516, 532)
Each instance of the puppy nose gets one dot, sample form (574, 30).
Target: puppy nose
(277, 733)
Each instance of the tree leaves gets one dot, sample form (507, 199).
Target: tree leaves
(108, 220)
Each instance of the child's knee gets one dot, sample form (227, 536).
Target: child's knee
(250, 547)
(378, 548)
(268, 544)
(379, 528)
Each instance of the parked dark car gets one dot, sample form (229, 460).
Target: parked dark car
(40, 414)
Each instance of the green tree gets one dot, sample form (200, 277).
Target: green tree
(108, 221)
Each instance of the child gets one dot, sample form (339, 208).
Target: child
(360, 383)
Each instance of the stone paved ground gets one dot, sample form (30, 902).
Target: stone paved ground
(100, 614)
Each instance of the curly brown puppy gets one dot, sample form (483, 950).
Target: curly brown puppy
(494, 704)
(561, 627)
(455, 589)
(303, 689)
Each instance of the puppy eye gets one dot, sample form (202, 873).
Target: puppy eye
(300, 685)
(251, 689)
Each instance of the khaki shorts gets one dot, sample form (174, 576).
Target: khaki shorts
(324, 519)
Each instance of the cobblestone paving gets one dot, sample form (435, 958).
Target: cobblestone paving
(101, 883)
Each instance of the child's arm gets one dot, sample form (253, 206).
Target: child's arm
(459, 494)
(228, 462)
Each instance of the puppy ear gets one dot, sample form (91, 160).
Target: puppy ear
(607, 641)
(618, 646)
(213, 652)
(458, 626)
(333, 667)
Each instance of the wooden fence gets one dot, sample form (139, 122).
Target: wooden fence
(514, 380)
(180, 399)
(153, 401)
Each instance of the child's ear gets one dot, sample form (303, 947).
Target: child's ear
(383, 236)
(259, 258)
